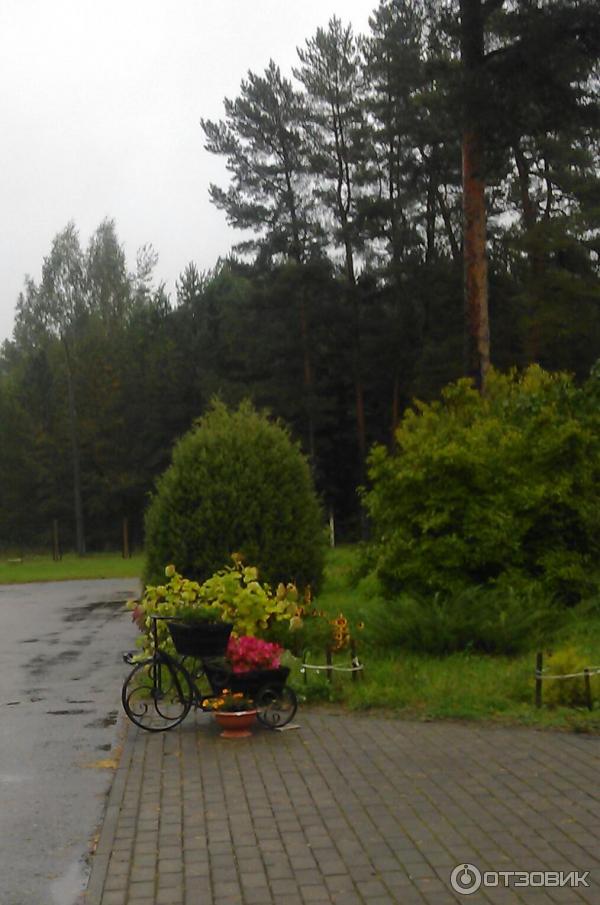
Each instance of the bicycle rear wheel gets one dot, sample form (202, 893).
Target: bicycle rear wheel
(276, 705)
(157, 694)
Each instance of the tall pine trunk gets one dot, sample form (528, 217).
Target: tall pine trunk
(477, 334)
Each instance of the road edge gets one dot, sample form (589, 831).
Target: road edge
(101, 857)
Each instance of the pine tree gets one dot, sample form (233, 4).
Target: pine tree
(262, 138)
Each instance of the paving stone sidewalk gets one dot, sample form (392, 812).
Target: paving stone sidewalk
(348, 809)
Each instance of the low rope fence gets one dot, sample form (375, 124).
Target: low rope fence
(329, 667)
(586, 674)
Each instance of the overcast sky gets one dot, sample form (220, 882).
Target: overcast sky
(100, 106)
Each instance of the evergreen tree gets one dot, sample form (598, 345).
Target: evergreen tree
(262, 138)
(332, 76)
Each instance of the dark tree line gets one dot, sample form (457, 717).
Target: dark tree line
(391, 189)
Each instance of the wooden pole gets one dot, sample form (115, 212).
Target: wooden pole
(539, 662)
(331, 529)
(588, 688)
(353, 660)
(329, 662)
(126, 549)
(56, 554)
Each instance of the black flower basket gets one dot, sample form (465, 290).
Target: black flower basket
(208, 639)
(252, 681)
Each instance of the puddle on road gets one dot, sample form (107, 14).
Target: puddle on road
(103, 722)
(39, 665)
(79, 613)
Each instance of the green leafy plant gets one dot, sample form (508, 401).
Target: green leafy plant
(311, 629)
(237, 483)
(495, 491)
(233, 594)
(196, 615)
(249, 604)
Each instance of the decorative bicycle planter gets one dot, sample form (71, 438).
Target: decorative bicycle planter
(160, 690)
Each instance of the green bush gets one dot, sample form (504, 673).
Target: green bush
(237, 484)
(487, 620)
(500, 491)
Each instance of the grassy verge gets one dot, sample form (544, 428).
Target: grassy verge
(461, 686)
(42, 568)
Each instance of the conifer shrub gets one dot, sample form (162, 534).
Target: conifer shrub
(479, 619)
(500, 492)
(237, 483)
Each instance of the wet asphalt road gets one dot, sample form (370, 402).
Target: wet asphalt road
(60, 677)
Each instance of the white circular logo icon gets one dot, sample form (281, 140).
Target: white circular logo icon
(465, 879)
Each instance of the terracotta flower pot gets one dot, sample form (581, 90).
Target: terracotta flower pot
(236, 724)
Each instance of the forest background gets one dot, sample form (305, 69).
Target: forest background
(344, 300)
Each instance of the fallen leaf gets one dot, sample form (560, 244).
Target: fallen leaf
(108, 763)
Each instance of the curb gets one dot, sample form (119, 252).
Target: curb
(101, 857)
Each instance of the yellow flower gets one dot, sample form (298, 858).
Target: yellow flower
(170, 571)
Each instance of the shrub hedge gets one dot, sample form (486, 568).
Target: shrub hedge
(500, 491)
(237, 484)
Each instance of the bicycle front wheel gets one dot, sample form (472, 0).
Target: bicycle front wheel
(157, 694)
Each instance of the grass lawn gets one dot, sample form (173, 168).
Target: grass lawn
(467, 686)
(95, 565)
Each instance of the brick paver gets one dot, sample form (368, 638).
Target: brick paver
(349, 809)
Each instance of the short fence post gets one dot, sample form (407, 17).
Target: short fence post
(588, 688)
(329, 661)
(353, 661)
(331, 529)
(56, 554)
(126, 550)
(539, 662)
